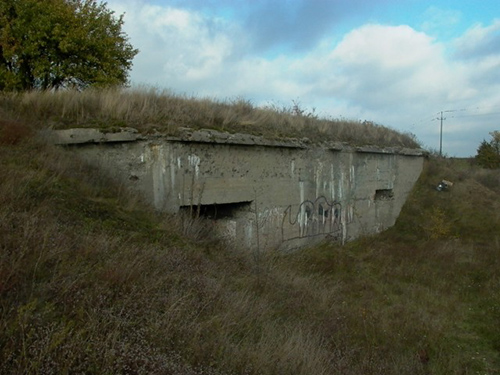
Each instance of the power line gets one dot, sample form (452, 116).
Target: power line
(441, 119)
(477, 114)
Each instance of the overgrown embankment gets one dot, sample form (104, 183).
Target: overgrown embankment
(91, 281)
(155, 111)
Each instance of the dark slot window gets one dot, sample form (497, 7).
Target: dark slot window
(217, 211)
(384, 194)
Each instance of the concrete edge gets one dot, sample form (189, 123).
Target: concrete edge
(91, 135)
(218, 137)
(391, 150)
(88, 135)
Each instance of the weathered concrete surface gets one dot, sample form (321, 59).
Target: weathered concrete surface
(84, 135)
(263, 193)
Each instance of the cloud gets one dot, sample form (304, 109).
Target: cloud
(197, 54)
(290, 26)
(400, 77)
(479, 51)
(479, 47)
(479, 42)
(297, 26)
(375, 65)
(393, 75)
(177, 46)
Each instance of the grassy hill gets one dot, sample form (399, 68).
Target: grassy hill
(92, 281)
(153, 111)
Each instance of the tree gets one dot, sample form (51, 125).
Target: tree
(61, 43)
(488, 153)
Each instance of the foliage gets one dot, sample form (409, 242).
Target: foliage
(61, 43)
(488, 153)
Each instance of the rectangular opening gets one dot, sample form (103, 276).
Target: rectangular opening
(217, 211)
(384, 194)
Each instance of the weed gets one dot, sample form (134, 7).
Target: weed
(93, 281)
(438, 225)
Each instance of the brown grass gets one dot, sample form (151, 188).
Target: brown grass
(151, 110)
(91, 283)
(13, 132)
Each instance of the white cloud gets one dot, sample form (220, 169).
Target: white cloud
(399, 77)
(394, 75)
(479, 41)
(392, 46)
(382, 67)
(176, 46)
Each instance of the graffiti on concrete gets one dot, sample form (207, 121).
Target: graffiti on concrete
(313, 218)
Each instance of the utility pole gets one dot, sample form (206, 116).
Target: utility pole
(441, 118)
(441, 137)
(441, 134)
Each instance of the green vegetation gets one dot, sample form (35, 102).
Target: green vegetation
(488, 153)
(93, 282)
(61, 43)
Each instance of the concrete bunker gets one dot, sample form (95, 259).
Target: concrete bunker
(263, 193)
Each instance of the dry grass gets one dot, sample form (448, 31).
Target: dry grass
(151, 110)
(91, 283)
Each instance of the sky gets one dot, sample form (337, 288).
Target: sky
(404, 64)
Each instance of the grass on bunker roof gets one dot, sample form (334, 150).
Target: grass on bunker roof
(155, 111)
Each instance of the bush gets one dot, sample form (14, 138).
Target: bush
(488, 153)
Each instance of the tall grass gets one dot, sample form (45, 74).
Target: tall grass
(92, 281)
(151, 110)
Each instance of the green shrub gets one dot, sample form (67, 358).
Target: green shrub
(488, 153)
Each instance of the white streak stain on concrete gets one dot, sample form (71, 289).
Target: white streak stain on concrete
(341, 184)
(172, 174)
(249, 233)
(194, 161)
(353, 176)
(332, 183)
(344, 226)
(317, 176)
(302, 213)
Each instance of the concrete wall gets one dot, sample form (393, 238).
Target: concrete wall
(260, 193)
